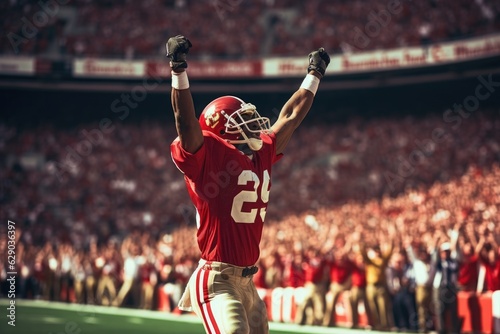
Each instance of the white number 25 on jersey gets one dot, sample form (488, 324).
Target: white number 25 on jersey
(250, 196)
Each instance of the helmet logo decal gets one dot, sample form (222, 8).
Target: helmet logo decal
(212, 118)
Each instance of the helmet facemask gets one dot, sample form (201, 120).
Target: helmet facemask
(247, 122)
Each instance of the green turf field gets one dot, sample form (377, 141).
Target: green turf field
(59, 318)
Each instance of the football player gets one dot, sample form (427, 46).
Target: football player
(226, 157)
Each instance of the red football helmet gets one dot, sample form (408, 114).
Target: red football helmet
(232, 119)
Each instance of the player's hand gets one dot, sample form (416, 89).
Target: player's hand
(318, 61)
(177, 49)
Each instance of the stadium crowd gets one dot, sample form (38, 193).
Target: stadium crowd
(103, 217)
(236, 28)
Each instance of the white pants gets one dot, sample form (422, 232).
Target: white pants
(224, 300)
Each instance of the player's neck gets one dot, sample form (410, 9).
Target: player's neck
(243, 148)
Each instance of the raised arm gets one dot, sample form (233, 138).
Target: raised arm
(297, 107)
(454, 235)
(480, 245)
(470, 233)
(390, 243)
(186, 123)
(407, 244)
(364, 254)
(491, 239)
(434, 247)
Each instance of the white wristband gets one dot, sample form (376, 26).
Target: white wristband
(310, 83)
(180, 80)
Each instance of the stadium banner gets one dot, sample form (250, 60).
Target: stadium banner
(380, 60)
(103, 68)
(486, 46)
(435, 54)
(477, 311)
(43, 66)
(469, 311)
(284, 67)
(486, 315)
(275, 307)
(17, 65)
(358, 62)
(212, 69)
(377, 60)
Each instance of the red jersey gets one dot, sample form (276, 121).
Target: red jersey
(295, 276)
(492, 277)
(259, 279)
(230, 192)
(145, 272)
(340, 271)
(315, 270)
(468, 273)
(358, 277)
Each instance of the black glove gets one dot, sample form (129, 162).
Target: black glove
(318, 61)
(177, 49)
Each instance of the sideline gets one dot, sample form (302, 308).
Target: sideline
(187, 318)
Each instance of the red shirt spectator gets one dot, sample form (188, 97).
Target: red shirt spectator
(259, 278)
(295, 274)
(315, 270)
(358, 276)
(340, 270)
(492, 266)
(145, 272)
(468, 273)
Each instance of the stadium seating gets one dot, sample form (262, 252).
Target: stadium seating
(132, 29)
(125, 191)
(88, 201)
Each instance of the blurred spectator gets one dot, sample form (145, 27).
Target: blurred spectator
(148, 278)
(91, 274)
(490, 259)
(315, 279)
(131, 262)
(259, 277)
(52, 275)
(106, 286)
(271, 270)
(358, 290)
(274, 272)
(377, 295)
(401, 286)
(241, 29)
(340, 270)
(469, 261)
(295, 271)
(127, 185)
(423, 280)
(445, 286)
(78, 273)
(66, 255)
